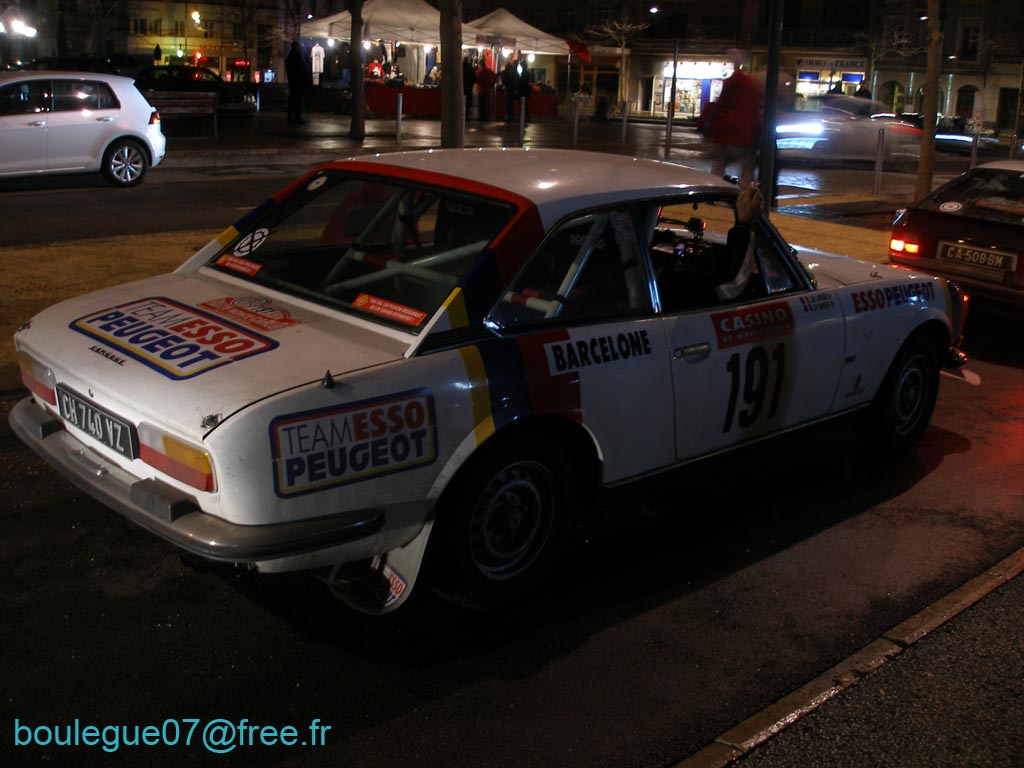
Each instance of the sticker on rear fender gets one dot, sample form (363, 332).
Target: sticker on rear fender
(177, 340)
(320, 449)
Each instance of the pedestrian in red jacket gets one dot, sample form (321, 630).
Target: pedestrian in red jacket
(735, 125)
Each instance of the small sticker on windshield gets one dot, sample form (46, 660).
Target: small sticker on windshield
(237, 264)
(251, 242)
(951, 207)
(389, 309)
(316, 183)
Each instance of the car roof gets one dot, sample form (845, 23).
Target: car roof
(49, 74)
(558, 181)
(1005, 165)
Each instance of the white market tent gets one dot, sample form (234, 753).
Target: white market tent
(402, 21)
(507, 26)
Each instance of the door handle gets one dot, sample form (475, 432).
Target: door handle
(37, 123)
(692, 353)
(107, 119)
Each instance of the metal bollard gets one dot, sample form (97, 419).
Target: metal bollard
(575, 121)
(1014, 141)
(879, 161)
(398, 123)
(974, 151)
(522, 119)
(625, 112)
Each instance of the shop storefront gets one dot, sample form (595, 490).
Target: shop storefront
(818, 75)
(697, 83)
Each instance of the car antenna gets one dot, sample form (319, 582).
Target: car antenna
(328, 381)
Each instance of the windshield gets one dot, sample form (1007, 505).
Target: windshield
(996, 194)
(385, 249)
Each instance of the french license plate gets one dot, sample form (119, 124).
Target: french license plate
(101, 425)
(977, 257)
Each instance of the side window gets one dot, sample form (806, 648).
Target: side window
(74, 95)
(106, 97)
(24, 98)
(701, 259)
(590, 268)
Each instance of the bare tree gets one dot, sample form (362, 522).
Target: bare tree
(618, 34)
(889, 37)
(106, 16)
(452, 99)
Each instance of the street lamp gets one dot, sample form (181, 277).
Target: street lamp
(653, 10)
(13, 26)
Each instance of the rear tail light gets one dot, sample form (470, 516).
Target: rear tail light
(39, 379)
(904, 245)
(178, 458)
(154, 118)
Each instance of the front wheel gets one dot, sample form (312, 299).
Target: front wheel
(903, 405)
(500, 524)
(124, 163)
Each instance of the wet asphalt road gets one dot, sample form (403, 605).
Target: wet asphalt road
(695, 602)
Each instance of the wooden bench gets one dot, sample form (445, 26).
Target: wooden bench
(177, 104)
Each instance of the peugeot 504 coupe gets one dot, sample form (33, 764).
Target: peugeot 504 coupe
(421, 364)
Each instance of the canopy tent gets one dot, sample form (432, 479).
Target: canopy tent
(507, 26)
(403, 21)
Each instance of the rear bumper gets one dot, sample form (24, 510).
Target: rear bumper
(175, 516)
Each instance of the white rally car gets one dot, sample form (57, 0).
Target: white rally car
(433, 357)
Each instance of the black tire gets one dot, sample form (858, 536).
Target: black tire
(125, 163)
(502, 522)
(903, 405)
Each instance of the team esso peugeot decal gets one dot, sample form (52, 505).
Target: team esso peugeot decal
(177, 340)
(335, 446)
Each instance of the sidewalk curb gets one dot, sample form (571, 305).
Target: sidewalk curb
(738, 741)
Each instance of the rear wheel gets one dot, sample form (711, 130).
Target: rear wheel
(903, 406)
(501, 523)
(125, 163)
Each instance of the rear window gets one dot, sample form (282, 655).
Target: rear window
(987, 193)
(76, 95)
(387, 250)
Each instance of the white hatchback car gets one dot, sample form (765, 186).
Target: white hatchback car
(74, 122)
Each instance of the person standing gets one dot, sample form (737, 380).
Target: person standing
(484, 91)
(524, 89)
(468, 81)
(298, 81)
(735, 125)
(510, 82)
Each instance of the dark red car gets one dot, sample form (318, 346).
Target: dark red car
(971, 231)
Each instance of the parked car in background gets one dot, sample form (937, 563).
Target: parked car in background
(837, 127)
(952, 134)
(75, 122)
(445, 354)
(112, 64)
(232, 99)
(970, 230)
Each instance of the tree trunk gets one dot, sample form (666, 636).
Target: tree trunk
(452, 98)
(929, 111)
(357, 128)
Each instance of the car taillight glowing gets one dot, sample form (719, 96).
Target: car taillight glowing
(902, 245)
(178, 458)
(37, 378)
(154, 118)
